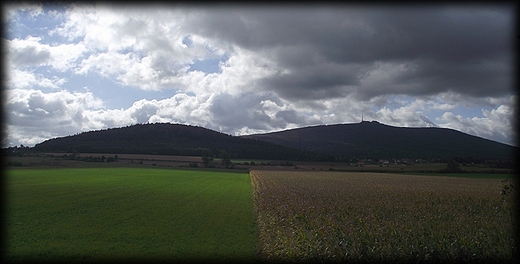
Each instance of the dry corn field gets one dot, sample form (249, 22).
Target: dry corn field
(338, 216)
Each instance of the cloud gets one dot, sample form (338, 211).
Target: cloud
(13, 10)
(273, 68)
(333, 52)
(139, 49)
(497, 124)
(323, 81)
(245, 110)
(44, 115)
(27, 52)
(427, 120)
(30, 53)
(29, 80)
(419, 51)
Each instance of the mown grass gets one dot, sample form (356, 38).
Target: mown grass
(128, 214)
(374, 217)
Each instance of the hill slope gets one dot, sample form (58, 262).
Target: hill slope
(376, 140)
(168, 139)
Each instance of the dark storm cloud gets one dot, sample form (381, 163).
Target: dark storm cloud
(315, 81)
(480, 79)
(465, 49)
(290, 116)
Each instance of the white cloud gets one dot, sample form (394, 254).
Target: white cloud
(16, 135)
(77, 20)
(106, 118)
(135, 47)
(26, 80)
(30, 52)
(147, 50)
(42, 115)
(497, 124)
(27, 52)
(406, 116)
(13, 10)
(63, 113)
(110, 65)
(63, 57)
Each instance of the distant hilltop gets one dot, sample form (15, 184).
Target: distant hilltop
(169, 139)
(367, 139)
(371, 139)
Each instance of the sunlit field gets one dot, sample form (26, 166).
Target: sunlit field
(333, 216)
(128, 214)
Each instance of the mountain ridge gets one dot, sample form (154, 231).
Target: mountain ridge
(371, 139)
(167, 139)
(323, 142)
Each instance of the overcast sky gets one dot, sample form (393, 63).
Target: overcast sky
(255, 69)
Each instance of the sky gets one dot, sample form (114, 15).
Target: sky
(246, 69)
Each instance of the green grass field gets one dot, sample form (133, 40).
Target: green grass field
(128, 214)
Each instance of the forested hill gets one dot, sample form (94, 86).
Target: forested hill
(169, 139)
(343, 141)
(376, 140)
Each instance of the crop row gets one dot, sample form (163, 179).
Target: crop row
(331, 216)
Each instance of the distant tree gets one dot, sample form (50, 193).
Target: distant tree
(207, 157)
(453, 166)
(75, 155)
(226, 161)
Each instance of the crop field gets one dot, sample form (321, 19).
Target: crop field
(344, 216)
(128, 214)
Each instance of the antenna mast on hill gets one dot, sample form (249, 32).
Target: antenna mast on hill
(361, 116)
